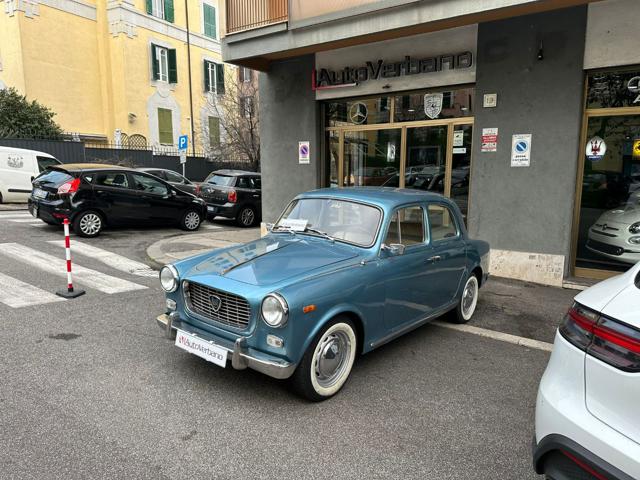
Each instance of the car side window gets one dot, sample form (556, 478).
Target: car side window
(256, 183)
(174, 177)
(406, 227)
(45, 162)
(112, 179)
(145, 184)
(243, 182)
(442, 223)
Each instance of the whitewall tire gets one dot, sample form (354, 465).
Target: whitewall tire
(468, 301)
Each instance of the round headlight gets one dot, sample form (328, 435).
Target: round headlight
(275, 310)
(169, 278)
(634, 228)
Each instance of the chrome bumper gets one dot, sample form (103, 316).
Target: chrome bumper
(240, 356)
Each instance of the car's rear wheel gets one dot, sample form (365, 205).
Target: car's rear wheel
(191, 220)
(88, 224)
(246, 217)
(468, 301)
(327, 363)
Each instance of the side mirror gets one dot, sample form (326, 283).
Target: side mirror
(394, 249)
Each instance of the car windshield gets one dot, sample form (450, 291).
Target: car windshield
(222, 180)
(341, 220)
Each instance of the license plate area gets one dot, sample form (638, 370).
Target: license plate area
(202, 348)
(39, 193)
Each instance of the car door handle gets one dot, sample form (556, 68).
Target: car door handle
(434, 259)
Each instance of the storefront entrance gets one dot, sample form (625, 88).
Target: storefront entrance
(607, 227)
(392, 142)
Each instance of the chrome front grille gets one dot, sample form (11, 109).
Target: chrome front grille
(232, 310)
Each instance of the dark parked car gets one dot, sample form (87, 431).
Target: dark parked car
(175, 179)
(233, 194)
(95, 196)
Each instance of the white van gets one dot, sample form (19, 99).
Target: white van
(18, 167)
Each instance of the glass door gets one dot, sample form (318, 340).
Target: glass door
(372, 157)
(461, 167)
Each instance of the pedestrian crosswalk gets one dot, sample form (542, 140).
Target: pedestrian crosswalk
(21, 216)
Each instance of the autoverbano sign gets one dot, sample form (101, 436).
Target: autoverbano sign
(380, 69)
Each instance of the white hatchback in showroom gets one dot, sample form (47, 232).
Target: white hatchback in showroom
(588, 407)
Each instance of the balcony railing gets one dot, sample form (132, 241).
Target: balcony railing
(249, 14)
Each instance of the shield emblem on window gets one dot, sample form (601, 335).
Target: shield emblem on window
(216, 302)
(433, 105)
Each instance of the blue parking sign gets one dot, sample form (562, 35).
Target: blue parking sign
(183, 142)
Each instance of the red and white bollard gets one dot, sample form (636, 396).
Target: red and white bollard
(70, 292)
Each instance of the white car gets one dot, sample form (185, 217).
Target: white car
(616, 233)
(18, 168)
(588, 407)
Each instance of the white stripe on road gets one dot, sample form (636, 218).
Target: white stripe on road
(58, 266)
(503, 337)
(17, 294)
(15, 215)
(211, 227)
(111, 259)
(38, 225)
(22, 220)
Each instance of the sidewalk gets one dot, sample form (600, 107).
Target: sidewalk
(508, 306)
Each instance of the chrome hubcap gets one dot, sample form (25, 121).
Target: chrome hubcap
(90, 224)
(469, 295)
(192, 220)
(332, 358)
(247, 216)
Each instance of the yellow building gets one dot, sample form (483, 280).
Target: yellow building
(112, 69)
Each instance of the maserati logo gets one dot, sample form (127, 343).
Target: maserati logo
(433, 105)
(216, 302)
(358, 113)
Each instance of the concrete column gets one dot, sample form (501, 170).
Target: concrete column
(527, 213)
(289, 114)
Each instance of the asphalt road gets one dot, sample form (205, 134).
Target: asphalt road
(89, 388)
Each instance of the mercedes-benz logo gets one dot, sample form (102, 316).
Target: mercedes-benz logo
(216, 302)
(358, 113)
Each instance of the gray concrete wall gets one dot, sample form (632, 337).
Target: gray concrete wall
(529, 209)
(288, 114)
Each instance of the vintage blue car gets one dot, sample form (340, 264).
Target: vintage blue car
(342, 272)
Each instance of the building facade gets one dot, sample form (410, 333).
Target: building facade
(526, 113)
(129, 72)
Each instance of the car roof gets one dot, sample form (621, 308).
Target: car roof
(386, 197)
(24, 150)
(235, 173)
(83, 167)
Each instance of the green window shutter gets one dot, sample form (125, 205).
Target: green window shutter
(209, 21)
(214, 131)
(168, 10)
(165, 126)
(154, 63)
(149, 7)
(207, 85)
(219, 78)
(173, 66)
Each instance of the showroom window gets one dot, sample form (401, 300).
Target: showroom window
(608, 219)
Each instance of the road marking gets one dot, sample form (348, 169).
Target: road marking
(42, 224)
(16, 215)
(111, 259)
(22, 220)
(211, 227)
(503, 337)
(17, 294)
(58, 266)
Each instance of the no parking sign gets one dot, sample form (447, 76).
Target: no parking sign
(521, 150)
(304, 155)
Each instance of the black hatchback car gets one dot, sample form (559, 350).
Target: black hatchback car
(233, 194)
(175, 179)
(94, 196)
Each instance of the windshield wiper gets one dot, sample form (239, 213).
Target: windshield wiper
(319, 232)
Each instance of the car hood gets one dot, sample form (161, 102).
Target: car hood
(617, 297)
(274, 258)
(625, 216)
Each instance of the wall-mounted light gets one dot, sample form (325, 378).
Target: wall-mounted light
(132, 117)
(541, 51)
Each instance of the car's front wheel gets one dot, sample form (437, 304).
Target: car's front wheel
(88, 224)
(468, 302)
(327, 363)
(191, 221)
